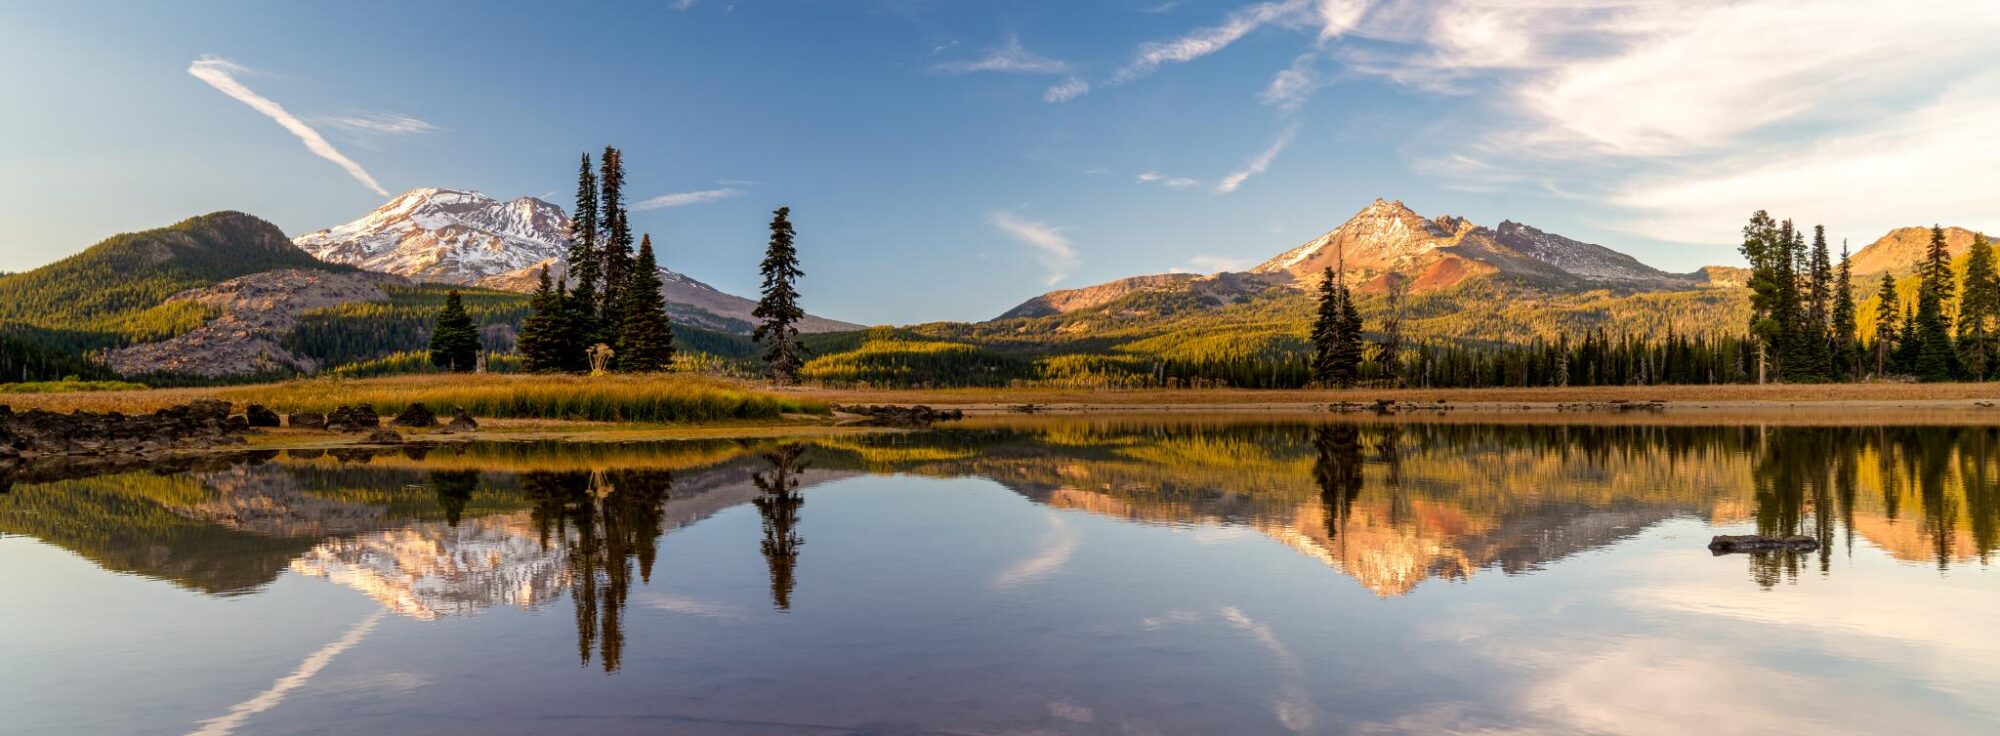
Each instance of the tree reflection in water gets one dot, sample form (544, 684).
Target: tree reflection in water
(779, 505)
(610, 522)
(1808, 481)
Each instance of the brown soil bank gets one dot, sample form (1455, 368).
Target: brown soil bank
(1840, 397)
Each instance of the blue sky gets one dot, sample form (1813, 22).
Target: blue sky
(947, 159)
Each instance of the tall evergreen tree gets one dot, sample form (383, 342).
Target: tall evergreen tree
(1888, 329)
(1347, 338)
(1389, 349)
(586, 265)
(454, 341)
(645, 335)
(614, 231)
(1843, 338)
(1325, 330)
(1978, 312)
(1766, 249)
(541, 340)
(1937, 357)
(779, 307)
(1815, 359)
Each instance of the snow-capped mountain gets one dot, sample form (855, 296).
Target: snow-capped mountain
(446, 235)
(461, 237)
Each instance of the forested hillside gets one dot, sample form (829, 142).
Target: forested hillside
(114, 292)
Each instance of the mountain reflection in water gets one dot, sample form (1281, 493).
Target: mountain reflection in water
(1393, 506)
(1393, 511)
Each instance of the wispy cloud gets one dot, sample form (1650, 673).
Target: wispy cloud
(1170, 182)
(1069, 89)
(1290, 88)
(1204, 41)
(221, 74)
(380, 123)
(1011, 58)
(1909, 168)
(683, 199)
(1052, 248)
(1689, 115)
(1258, 164)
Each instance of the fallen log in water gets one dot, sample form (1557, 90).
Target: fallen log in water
(1724, 544)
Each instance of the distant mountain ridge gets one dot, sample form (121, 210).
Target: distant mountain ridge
(1388, 237)
(1387, 240)
(456, 236)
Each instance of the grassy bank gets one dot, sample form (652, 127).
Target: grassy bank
(648, 398)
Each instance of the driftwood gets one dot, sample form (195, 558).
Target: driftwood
(1724, 544)
(918, 416)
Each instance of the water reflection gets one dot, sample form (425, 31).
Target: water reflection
(779, 505)
(1486, 577)
(1391, 505)
(604, 524)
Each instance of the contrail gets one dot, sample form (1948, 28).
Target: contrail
(227, 723)
(217, 71)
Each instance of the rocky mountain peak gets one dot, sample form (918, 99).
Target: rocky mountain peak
(1901, 250)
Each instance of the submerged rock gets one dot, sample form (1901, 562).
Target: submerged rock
(383, 437)
(461, 421)
(1727, 543)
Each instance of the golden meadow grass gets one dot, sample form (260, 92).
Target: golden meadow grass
(669, 397)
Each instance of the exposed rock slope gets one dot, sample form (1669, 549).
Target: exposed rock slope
(256, 312)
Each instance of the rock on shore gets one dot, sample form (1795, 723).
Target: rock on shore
(36, 433)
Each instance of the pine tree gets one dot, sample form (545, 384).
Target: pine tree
(615, 231)
(1815, 360)
(779, 307)
(541, 341)
(1937, 357)
(1389, 350)
(1843, 327)
(1978, 311)
(1347, 339)
(454, 341)
(1326, 327)
(645, 335)
(573, 344)
(586, 270)
(1888, 332)
(1765, 250)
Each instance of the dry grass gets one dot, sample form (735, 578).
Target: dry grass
(644, 398)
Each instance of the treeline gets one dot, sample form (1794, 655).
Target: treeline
(1803, 321)
(24, 357)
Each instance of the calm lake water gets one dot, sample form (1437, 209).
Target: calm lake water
(1024, 576)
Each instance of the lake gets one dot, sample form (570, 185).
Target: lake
(1025, 575)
